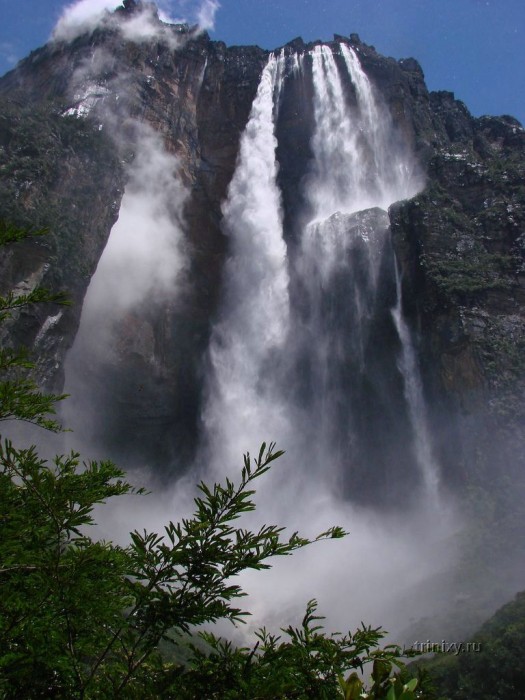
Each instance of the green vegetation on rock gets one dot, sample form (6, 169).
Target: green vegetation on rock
(492, 668)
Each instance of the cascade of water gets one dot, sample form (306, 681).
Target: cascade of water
(325, 341)
(359, 165)
(408, 366)
(358, 162)
(387, 171)
(254, 322)
(335, 184)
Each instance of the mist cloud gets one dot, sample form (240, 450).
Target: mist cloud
(81, 17)
(206, 14)
(145, 254)
(86, 15)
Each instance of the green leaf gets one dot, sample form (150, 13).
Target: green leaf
(391, 695)
(411, 685)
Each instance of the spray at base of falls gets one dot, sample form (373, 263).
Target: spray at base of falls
(296, 368)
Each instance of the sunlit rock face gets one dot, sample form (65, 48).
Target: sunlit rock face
(461, 245)
(75, 120)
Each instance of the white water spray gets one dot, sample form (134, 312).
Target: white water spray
(242, 409)
(358, 163)
(143, 262)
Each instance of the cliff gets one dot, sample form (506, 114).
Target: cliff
(68, 132)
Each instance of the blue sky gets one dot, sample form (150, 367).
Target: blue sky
(475, 48)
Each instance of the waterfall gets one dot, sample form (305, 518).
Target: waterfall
(358, 161)
(357, 164)
(408, 366)
(304, 347)
(303, 371)
(336, 183)
(390, 176)
(344, 266)
(242, 408)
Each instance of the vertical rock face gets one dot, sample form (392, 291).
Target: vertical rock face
(70, 129)
(461, 244)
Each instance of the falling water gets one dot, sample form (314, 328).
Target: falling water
(243, 409)
(408, 367)
(391, 175)
(358, 163)
(358, 171)
(336, 176)
(326, 339)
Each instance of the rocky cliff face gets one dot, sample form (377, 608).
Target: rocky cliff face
(461, 245)
(70, 121)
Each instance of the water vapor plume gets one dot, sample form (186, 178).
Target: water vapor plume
(146, 22)
(81, 17)
(206, 14)
(145, 255)
(142, 266)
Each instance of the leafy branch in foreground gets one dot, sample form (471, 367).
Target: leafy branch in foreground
(89, 619)
(307, 664)
(13, 301)
(102, 609)
(20, 397)
(11, 233)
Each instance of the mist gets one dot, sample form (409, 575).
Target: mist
(142, 26)
(143, 263)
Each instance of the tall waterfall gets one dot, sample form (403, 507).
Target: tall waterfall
(308, 368)
(243, 408)
(310, 347)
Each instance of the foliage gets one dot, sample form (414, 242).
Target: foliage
(495, 671)
(464, 277)
(20, 397)
(307, 664)
(81, 618)
(10, 233)
(64, 594)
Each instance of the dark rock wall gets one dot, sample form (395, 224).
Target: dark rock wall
(59, 173)
(461, 246)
